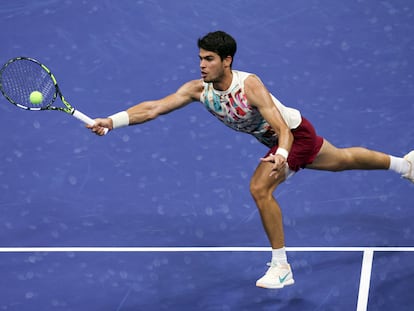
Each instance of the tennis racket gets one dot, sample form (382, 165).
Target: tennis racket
(21, 76)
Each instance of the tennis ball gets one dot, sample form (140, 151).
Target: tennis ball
(36, 97)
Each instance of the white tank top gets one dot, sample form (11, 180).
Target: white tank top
(231, 108)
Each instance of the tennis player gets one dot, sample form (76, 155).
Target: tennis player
(242, 102)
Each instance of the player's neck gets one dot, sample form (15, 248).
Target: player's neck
(225, 82)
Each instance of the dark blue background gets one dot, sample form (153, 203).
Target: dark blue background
(182, 180)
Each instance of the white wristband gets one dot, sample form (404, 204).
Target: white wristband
(283, 152)
(120, 119)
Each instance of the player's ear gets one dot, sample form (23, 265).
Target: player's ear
(228, 60)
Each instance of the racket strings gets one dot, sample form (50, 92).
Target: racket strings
(21, 77)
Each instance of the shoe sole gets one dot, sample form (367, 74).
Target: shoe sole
(279, 286)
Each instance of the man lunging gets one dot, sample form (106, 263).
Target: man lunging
(242, 102)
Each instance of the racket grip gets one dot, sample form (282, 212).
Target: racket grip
(84, 118)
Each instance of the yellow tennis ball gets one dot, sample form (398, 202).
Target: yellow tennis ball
(36, 97)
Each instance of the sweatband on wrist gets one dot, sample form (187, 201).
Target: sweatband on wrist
(120, 119)
(283, 152)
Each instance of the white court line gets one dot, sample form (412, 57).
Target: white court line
(53, 249)
(365, 280)
(195, 249)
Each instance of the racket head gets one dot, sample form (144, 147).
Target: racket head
(21, 76)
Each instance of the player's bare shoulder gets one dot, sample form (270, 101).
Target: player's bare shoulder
(254, 89)
(191, 89)
(253, 81)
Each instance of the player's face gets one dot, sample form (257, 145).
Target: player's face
(212, 67)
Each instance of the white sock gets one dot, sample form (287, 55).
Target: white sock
(399, 165)
(279, 256)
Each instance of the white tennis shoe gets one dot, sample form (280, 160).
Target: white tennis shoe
(277, 276)
(410, 158)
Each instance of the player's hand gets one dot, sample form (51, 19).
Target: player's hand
(101, 126)
(279, 164)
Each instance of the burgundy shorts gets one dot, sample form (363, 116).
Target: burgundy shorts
(305, 147)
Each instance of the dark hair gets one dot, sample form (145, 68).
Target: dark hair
(219, 42)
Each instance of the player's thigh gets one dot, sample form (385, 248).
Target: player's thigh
(328, 158)
(262, 182)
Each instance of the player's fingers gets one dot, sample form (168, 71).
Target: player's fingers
(274, 173)
(102, 131)
(97, 129)
(278, 168)
(267, 159)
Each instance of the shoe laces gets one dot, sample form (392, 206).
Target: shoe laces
(274, 269)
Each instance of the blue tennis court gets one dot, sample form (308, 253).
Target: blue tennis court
(159, 216)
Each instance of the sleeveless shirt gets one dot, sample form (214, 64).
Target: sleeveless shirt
(232, 108)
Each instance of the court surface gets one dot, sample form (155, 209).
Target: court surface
(159, 216)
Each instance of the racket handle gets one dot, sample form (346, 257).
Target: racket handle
(84, 118)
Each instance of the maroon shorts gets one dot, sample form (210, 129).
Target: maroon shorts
(305, 147)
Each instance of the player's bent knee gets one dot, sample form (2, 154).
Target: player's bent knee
(260, 191)
(346, 161)
(257, 190)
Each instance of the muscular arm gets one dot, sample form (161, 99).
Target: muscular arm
(258, 96)
(149, 110)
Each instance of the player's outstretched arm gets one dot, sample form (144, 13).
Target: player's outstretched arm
(149, 110)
